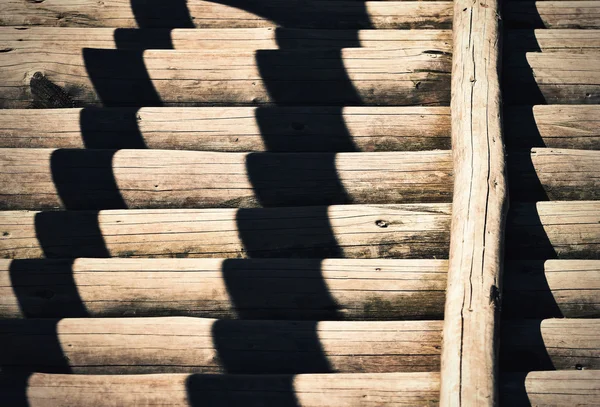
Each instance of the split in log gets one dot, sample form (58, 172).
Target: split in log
(553, 78)
(230, 14)
(231, 129)
(119, 179)
(552, 14)
(554, 174)
(573, 41)
(547, 230)
(298, 289)
(355, 231)
(224, 39)
(196, 345)
(307, 390)
(561, 344)
(556, 126)
(106, 77)
(479, 205)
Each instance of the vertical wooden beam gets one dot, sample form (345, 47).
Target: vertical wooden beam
(479, 209)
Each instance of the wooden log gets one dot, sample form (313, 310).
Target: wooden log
(547, 230)
(479, 207)
(555, 78)
(281, 289)
(356, 231)
(561, 388)
(181, 390)
(561, 344)
(230, 14)
(556, 126)
(551, 289)
(95, 77)
(297, 289)
(196, 345)
(575, 41)
(552, 14)
(60, 38)
(554, 174)
(118, 179)
(238, 129)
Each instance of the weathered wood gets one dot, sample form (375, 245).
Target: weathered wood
(237, 129)
(479, 204)
(576, 41)
(119, 179)
(551, 289)
(554, 174)
(561, 388)
(546, 230)
(229, 14)
(561, 344)
(557, 126)
(298, 289)
(552, 14)
(552, 78)
(180, 390)
(60, 38)
(356, 231)
(195, 78)
(281, 289)
(195, 345)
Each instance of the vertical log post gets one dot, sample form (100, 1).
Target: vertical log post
(479, 209)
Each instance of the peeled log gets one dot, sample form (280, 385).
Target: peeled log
(354, 231)
(576, 41)
(118, 179)
(104, 77)
(552, 14)
(235, 129)
(554, 174)
(195, 345)
(229, 14)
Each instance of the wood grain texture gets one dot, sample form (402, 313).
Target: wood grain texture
(103, 77)
(231, 129)
(195, 345)
(231, 14)
(355, 231)
(61, 38)
(83, 179)
(542, 40)
(297, 289)
(479, 207)
(551, 344)
(554, 174)
(347, 289)
(556, 126)
(552, 14)
(552, 78)
(181, 390)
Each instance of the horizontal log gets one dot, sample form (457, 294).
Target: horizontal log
(546, 230)
(552, 14)
(119, 179)
(60, 38)
(195, 345)
(551, 289)
(237, 129)
(576, 41)
(554, 174)
(356, 231)
(551, 344)
(556, 126)
(181, 390)
(299, 289)
(281, 289)
(553, 78)
(308, 390)
(229, 14)
(105, 77)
